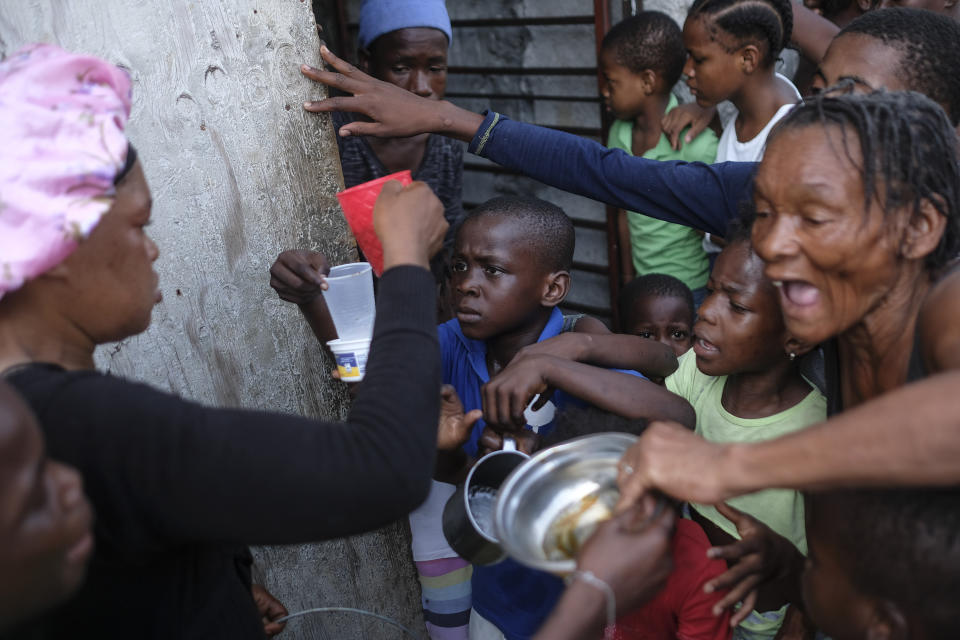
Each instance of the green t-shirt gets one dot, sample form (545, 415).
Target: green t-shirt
(779, 509)
(664, 247)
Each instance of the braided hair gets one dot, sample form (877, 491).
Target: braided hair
(907, 148)
(765, 23)
(648, 40)
(929, 44)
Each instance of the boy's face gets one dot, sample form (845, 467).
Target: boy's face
(623, 91)
(740, 326)
(45, 519)
(665, 319)
(497, 280)
(414, 59)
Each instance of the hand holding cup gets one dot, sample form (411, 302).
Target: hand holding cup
(410, 224)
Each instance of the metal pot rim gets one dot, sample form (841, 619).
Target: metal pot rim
(616, 440)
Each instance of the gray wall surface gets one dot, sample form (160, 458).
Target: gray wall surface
(239, 172)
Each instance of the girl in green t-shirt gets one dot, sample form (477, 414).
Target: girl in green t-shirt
(744, 382)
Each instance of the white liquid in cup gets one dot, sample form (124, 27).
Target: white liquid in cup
(350, 300)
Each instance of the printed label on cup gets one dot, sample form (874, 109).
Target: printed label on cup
(351, 365)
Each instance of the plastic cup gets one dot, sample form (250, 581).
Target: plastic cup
(357, 204)
(351, 357)
(349, 297)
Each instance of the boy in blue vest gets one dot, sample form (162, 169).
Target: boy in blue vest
(510, 271)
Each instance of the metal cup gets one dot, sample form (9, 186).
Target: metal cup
(468, 514)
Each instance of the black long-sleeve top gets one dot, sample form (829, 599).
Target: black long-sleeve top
(179, 488)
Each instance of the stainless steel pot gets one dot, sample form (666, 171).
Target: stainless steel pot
(550, 504)
(468, 514)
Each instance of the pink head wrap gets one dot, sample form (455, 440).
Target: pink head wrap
(62, 144)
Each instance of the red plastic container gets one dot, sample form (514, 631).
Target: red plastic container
(357, 204)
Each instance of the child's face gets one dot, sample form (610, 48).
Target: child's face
(740, 327)
(665, 319)
(414, 59)
(497, 280)
(623, 91)
(712, 72)
(45, 519)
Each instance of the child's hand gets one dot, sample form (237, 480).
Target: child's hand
(298, 275)
(508, 394)
(671, 458)
(686, 115)
(635, 563)
(270, 609)
(760, 556)
(409, 222)
(455, 426)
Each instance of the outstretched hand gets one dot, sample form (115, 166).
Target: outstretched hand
(760, 556)
(455, 425)
(297, 275)
(671, 458)
(395, 112)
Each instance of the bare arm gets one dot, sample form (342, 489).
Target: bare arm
(908, 437)
(508, 394)
(610, 350)
(812, 33)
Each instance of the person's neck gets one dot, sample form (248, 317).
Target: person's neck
(757, 101)
(766, 393)
(875, 353)
(502, 348)
(646, 124)
(26, 337)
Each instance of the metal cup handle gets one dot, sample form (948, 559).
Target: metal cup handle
(509, 444)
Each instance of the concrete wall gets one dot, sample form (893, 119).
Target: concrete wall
(238, 172)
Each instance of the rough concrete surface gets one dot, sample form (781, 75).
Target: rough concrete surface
(239, 172)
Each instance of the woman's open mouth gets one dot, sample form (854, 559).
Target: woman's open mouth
(797, 293)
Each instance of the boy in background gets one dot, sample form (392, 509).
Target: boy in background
(661, 308)
(641, 59)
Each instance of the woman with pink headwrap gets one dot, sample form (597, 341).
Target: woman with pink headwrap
(179, 489)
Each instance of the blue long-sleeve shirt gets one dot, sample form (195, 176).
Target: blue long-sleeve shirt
(698, 195)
